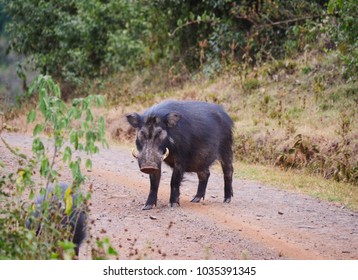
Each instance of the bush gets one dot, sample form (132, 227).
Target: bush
(71, 129)
(345, 33)
(76, 40)
(217, 31)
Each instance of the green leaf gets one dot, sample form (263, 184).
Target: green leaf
(31, 116)
(67, 154)
(56, 90)
(32, 194)
(89, 115)
(74, 139)
(90, 137)
(112, 251)
(37, 146)
(43, 107)
(85, 104)
(45, 167)
(75, 167)
(76, 102)
(42, 191)
(88, 164)
(102, 126)
(62, 124)
(340, 3)
(38, 129)
(100, 100)
(85, 125)
(331, 6)
(22, 155)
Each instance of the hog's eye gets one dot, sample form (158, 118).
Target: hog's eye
(158, 132)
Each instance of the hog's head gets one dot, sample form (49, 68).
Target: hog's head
(152, 139)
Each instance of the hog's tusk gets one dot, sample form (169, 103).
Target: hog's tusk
(166, 154)
(134, 153)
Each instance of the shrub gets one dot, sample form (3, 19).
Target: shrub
(345, 33)
(70, 128)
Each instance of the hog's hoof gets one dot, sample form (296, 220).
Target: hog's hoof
(148, 206)
(227, 200)
(174, 204)
(196, 199)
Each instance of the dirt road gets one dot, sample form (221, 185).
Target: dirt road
(261, 222)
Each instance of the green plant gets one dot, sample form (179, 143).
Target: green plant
(251, 84)
(76, 40)
(345, 33)
(69, 129)
(306, 70)
(239, 31)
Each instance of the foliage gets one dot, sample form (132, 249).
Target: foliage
(3, 19)
(73, 40)
(76, 123)
(226, 30)
(58, 118)
(346, 33)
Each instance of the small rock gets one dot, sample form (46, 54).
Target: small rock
(153, 217)
(280, 213)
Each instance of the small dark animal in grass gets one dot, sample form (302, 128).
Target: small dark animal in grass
(187, 135)
(77, 220)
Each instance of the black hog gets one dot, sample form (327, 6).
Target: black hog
(189, 136)
(77, 219)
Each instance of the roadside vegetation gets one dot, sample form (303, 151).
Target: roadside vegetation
(286, 71)
(30, 233)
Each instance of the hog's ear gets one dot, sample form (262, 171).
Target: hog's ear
(134, 120)
(172, 119)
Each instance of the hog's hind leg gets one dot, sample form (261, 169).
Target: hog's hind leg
(228, 170)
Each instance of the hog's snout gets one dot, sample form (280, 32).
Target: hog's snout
(149, 169)
(150, 164)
